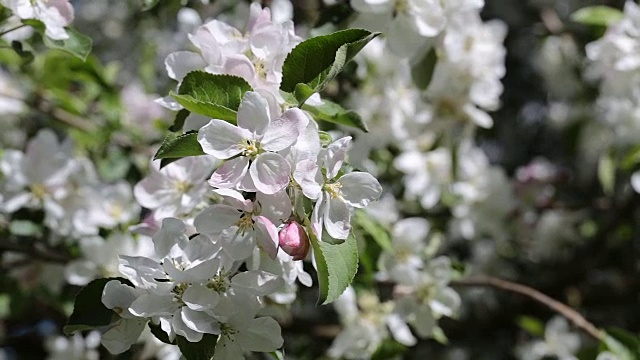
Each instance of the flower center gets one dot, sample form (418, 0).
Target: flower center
(261, 68)
(401, 7)
(218, 284)
(245, 223)
(39, 191)
(333, 189)
(182, 186)
(250, 148)
(227, 330)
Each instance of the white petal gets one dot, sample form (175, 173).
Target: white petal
(317, 217)
(153, 305)
(199, 297)
(119, 297)
(171, 233)
(200, 321)
(283, 132)
(180, 63)
(266, 235)
(270, 173)
(447, 302)
(237, 245)
(260, 283)
(359, 188)
(274, 207)
(635, 181)
(228, 348)
(309, 178)
(215, 219)
(221, 139)
(182, 329)
(121, 335)
(411, 231)
(253, 113)
(400, 331)
(263, 335)
(337, 219)
(335, 154)
(230, 174)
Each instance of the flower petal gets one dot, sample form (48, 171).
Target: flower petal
(337, 219)
(270, 173)
(221, 139)
(230, 174)
(215, 219)
(283, 132)
(309, 178)
(359, 188)
(253, 113)
(263, 335)
(266, 235)
(335, 154)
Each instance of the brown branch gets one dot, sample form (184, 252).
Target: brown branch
(572, 315)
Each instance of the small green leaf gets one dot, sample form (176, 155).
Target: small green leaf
(314, 62)
(533, 326)
(21, 49)
(379, 234)
(217, 96)
(599, 15)
(178, 123)
(332, 112)
(422, 71)
(623, 345)
(88, 310)
(78, 44)
(179, 146)
(149, 4)
(25, 228)
(201, 350)
(337, 265)
(607, 173)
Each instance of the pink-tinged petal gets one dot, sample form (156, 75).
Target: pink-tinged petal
(257, 16)
(180, 63)
(253, 113)
(215, 219)
(337, 219)
(283, 132)
(230, 173)
(235, 199)
(359, 188)
(270, 173)
(275, 207)
(309, 178)
(335, 154)
(266, 235)
(221, 139)
(239, 65)
(238, 245)
(246, 184)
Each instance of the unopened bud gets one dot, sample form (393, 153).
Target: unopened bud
(294, 240)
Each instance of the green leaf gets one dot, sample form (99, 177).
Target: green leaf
(216, 96)
(599, 15)
(25, 228)
(78, 44)
(623, 345)
(149, 4)
(533, 326)
(201, 350)
(607, 173)
(337, 265)
(379, 234)
(334, 113)
(25, 54)
(178, 123)
(179, 146)
(316, 61)
(422, 72)
(88, 310)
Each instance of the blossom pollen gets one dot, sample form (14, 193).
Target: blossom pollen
(333, 189)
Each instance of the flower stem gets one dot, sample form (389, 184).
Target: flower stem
(572, 315)
(12, 29)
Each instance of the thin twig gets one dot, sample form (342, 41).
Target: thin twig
(12, 29)
(572, 315)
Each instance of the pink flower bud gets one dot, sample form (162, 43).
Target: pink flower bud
(294, 240)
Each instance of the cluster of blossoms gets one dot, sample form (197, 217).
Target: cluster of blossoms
(55, 15)
(217, 257)
(614, 62)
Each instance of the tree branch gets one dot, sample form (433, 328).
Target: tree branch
(572, 315)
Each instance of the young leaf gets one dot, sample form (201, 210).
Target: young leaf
(332, 112)
(337, 265)
(379, 234)
(607, 173)
(88, 310)
(179, 146)
(599, 15)
(77, 44)
(25, 54)
(623, 345)
(178, 123)
(217, 96)
(314, 62)
(422, 71)
(201, 350)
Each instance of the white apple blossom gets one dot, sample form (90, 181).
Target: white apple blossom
(55, 14)
(559, 342)
(251, 148)
(74, 348)
(335, 196)
(405, 262)
(176, 189)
